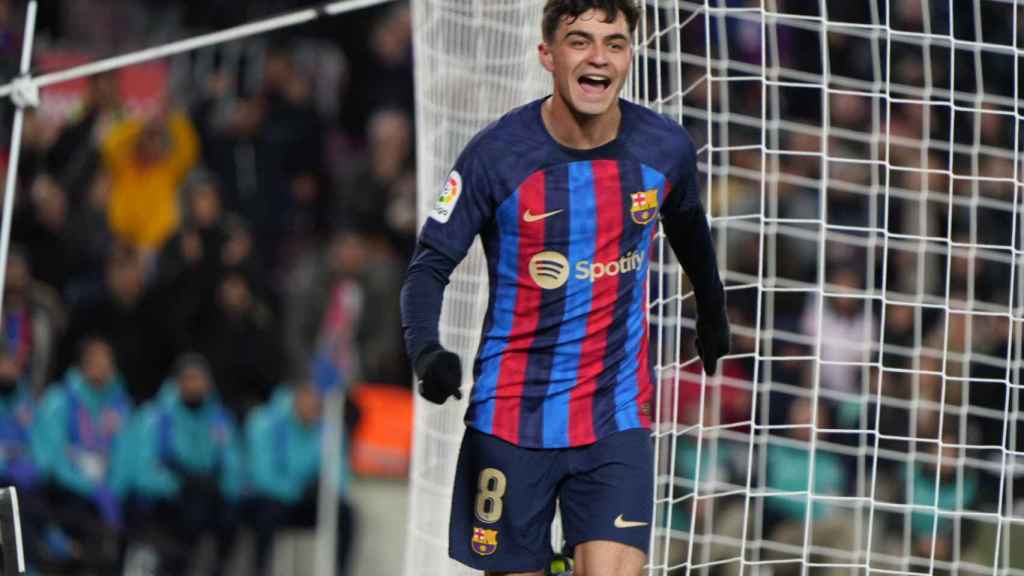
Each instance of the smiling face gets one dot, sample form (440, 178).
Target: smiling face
(589, 59)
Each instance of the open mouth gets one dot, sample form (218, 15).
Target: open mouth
(594, 84)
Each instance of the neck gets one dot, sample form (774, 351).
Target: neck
(580, 131)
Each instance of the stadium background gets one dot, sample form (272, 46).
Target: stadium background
(296, 191)
(300, 191)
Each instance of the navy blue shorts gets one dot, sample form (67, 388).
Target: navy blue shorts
(504, 498)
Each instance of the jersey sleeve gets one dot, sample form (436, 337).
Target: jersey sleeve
(462, 208)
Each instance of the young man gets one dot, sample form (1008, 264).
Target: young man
(565, 194)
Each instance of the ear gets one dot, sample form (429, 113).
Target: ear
(546, 57)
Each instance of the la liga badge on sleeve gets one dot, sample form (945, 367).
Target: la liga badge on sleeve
(447, 198)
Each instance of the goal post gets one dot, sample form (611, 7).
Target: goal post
(475, 60)
(11, 547)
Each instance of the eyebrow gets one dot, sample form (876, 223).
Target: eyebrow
(589, 36)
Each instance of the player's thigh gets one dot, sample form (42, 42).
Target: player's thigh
(606, 558)
(609, 493)
(537, 573)
(502, 505)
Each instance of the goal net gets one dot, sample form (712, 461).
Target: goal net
(475, 60)
(861, 173)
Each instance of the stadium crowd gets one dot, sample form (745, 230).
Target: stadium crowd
(192, 274)
(944, 271)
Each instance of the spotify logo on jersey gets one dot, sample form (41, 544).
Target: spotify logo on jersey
(549, 270)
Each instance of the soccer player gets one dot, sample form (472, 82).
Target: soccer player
(565, 193)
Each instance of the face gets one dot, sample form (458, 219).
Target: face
(801, 412)
(307, 405)
(126, 278)
(589, 60)
(193, 384)
(234, 294)
(348, 254)
(9, 371)
(17, 275)
(205, 207)
(98, 363)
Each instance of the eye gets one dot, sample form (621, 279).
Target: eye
(578, 43)
(617, 46)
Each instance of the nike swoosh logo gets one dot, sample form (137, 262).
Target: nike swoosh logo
(530, 217)
(620, 523)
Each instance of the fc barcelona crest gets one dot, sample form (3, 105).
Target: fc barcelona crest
(485, 541)
(644, 206)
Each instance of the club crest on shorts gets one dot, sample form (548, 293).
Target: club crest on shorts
(485, 541)
(644, 206)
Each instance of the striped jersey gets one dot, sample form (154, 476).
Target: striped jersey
(563, 358)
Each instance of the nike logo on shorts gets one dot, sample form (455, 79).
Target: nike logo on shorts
(530, 217)
(621, 523)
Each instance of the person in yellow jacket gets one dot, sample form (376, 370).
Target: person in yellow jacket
(148, 160)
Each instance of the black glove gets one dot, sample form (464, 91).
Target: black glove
(712, 337)
(440, 374)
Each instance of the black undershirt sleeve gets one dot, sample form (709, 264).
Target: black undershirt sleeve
(688, 234)
(422, 294)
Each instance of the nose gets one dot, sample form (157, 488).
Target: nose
(599, 55)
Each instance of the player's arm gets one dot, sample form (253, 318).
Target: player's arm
(690, 237)
(461, 210)
(439, 370)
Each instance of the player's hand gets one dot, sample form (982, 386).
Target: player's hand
(712, 338)
(440, 373)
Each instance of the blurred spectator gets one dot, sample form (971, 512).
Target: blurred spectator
(938, 473)
(132, 319)
(81, 437)
(373, 200)
(730, 396)
(847, 332)
(284, 439)
(20, 452)
(391, 59)
(74, 158)
(188, 474)
(341, 310)
(148, 159)
(789, 467)
(267, 151)
(722, 516)
(17, 413)
(240, 339)
(33, 320)
(43, 229)
(190, 264)
(91, 241)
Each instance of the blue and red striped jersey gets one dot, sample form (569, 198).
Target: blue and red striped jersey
(563, 358)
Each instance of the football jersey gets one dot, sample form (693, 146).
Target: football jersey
(563, 358)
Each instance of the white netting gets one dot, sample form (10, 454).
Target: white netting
(475, 60)
(862, 182)
(862, 175)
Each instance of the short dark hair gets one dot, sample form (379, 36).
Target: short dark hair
(555, 10)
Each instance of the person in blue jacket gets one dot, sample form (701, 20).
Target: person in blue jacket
(79, 444)
(187, 476)
(18, 466)
(283, 439)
